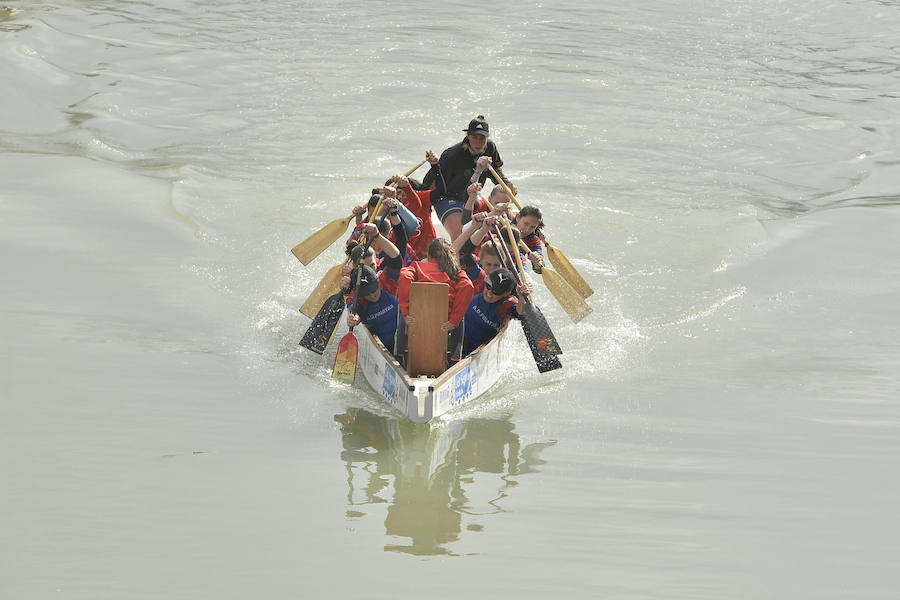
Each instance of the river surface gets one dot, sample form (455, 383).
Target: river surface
(725, 174)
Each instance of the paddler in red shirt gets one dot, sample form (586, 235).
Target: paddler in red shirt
(442, 266)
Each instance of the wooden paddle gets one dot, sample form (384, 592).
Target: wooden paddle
(328, 285)
(322, 328)
(315, 244)
(323, 325)
(344, 368)
(519, 272)
(562, 264)
(557, 258)
(330, 282)
(567, 296)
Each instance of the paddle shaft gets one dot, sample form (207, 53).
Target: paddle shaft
(307, 250)
(414, 169)
(329, 313)
(565, 267)
(505, 187)
(528, 250)
(512, 239)
(497, 231)
(345, 359)
(541, 340)
(503, 255)
(355, 305)
(362, 260)
(324, 323)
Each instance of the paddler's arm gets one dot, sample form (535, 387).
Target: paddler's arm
(487, 222)
(469, 207)
(401, 238)
(434, 173)
(379, 242)
(440, 183)
(413, 202)
(410, 221)
(358, 212)
(461, 300)
(404, 281)
(469, 229)
(522, 290)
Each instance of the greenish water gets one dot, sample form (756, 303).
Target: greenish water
(723, 174)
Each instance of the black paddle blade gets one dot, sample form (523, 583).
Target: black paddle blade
(543, 359)
(537, 330)
(541, 340)
(323, 325)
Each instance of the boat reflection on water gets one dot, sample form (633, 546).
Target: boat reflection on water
(428, 474)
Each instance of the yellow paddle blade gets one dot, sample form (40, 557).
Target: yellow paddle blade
(315, 244)
(566, 295)
(344, 369)
(568, 271)
(328, 286)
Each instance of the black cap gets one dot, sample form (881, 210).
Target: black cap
(478, 125)
(500, 282)
(368, 281)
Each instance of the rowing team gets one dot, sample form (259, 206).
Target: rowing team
(479, 265)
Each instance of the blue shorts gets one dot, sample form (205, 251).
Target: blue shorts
(445, 207)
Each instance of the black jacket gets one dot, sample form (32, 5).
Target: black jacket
(457, 165)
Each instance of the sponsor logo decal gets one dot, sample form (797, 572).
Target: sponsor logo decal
(546, 344)
(389, 384)
(462, 386)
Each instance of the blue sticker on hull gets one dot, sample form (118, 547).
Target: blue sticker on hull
(462, 386)
(389, 384)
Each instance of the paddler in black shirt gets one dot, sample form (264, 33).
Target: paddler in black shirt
(461, 165)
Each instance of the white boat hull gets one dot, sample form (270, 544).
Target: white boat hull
(422, 399)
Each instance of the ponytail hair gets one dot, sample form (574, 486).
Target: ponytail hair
(447, 260)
